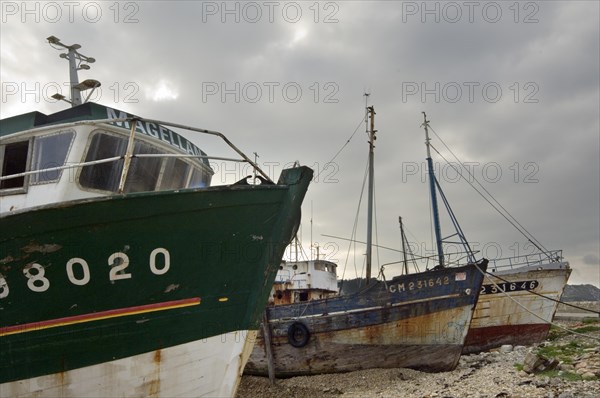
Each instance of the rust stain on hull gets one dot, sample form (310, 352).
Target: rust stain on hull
(46, 248)
(516, 317)
(417, 321)
(411, 343)
(153, 385)
(482, 339)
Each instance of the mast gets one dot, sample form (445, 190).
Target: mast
(372, 138)
(403, 237)
(436, 215)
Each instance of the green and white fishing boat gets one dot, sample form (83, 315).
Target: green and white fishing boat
(123, 272)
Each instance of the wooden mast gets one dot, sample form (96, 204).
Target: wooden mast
(372, 138)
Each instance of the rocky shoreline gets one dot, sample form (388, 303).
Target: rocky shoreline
(572, 371)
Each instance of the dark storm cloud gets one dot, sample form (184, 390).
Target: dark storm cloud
(540, 132)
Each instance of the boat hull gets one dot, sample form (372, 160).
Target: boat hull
(182, 371)
(130, 290)
(516, 316)
(417, 321)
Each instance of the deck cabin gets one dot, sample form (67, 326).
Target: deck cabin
(63, 156)
(299, 281)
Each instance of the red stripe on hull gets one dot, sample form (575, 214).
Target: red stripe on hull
(99, 315)
(483, 339)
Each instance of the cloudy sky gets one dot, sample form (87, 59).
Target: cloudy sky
(511, 87)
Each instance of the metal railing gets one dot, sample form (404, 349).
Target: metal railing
(529, 260)
(129, 155)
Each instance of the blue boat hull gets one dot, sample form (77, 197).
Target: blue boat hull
(417, 321)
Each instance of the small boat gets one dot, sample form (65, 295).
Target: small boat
(518, 298)
(415, 321)
(123, 272)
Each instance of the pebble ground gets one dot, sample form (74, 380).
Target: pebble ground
(492, 374)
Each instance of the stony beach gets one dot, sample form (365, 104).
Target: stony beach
(493, 374)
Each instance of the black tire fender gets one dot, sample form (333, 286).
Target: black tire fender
(298, 334)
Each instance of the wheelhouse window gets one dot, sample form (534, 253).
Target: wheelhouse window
(320, 267)
(175, 174)
(145, 173)
(40, 153)
(48, 152)
(199, 179)
(13, 160)
(103, 176)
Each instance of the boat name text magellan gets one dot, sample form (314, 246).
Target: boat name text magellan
(420, 284)
(157, 131)
(509, 287)
(118, 262)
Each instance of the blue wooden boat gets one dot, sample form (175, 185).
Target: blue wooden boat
(417, 321)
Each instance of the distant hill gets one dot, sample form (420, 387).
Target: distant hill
(581, 293)
(349, 286)
(571, 293)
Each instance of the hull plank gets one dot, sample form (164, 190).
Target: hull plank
(517, 317)
(431, 342)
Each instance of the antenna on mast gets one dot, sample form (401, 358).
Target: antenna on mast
(77, 62)
(366, 95)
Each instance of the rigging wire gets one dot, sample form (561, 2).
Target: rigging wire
(457, 228)
(340, 150)
(376, 232)
(410, 250)
(355, 226)
(520, 228)
(366, 175)
(380, 246)
(512, 220)
(360, 199)
(362, 120)
(431, 240)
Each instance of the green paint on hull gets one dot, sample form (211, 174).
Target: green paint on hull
(224, 247)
